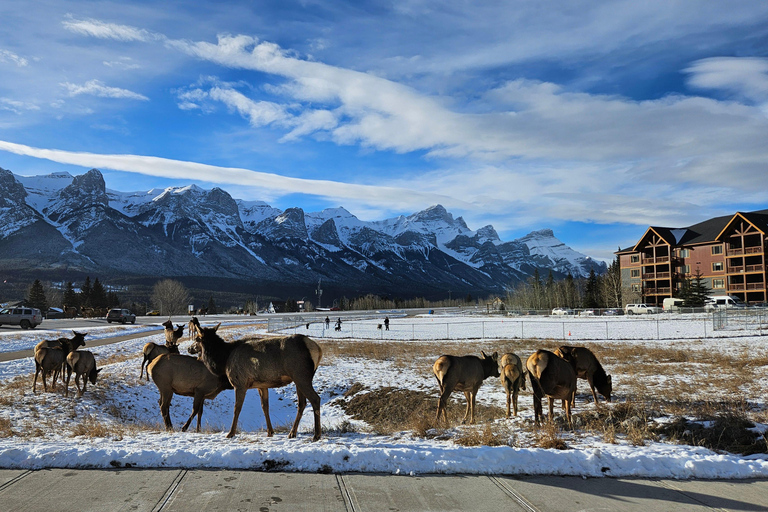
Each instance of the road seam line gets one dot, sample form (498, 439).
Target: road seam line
(14, 480)
(519, 498)
(348, 502)
(673, 487)
(170, 491)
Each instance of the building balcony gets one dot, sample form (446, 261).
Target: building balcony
(657, 275)
(746, 268)
(657, 291)
(740, 251)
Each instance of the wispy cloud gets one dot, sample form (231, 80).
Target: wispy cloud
(102, 30)
(9, 56)
(747, 77)
(97, 88)
(388, 197)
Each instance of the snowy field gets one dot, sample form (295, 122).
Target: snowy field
(117, 422)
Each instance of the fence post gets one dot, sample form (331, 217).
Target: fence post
(563, 324)
(483, 329)
(657, 330)
(522, 329)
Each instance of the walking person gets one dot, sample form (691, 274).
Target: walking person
(338, 324)
(327, 323)
(386, 323)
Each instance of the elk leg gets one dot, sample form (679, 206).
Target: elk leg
(468, 397)
(592, 387)
(445, 392)
(551, 408)
(302, 403)
(308, 391)
(85, 383)
(264, 395)
(197, 409)
(165, 407)
(515, 392)
(509, 400)
(34, 383)
(66, 384)
(473, 397)
(239, 398)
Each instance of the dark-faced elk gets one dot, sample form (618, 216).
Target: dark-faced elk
(587, 367)
(185, 376)
(463, 373)
(51, 356)
(512, 378)
(263, 364)
(83, 364)
(553, 377)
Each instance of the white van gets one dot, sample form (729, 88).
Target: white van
(672, 304)
(723, 301)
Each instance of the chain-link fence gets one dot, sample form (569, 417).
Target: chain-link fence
(437, 327)
(741, 320)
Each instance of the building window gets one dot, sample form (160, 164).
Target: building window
(717, 249)
(635, 287)
(635, 258)
(685, 269)
(717, 266)
(718, 283)
(685, 253)
(635, 272)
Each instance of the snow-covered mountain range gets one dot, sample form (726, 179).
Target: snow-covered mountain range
(71, 223)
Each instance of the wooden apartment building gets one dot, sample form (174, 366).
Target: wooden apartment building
(730, 253)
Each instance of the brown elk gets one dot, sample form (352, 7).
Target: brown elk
(554, 377)
(153, 350)
(512, 378)
(83, 364)
(587, 367)
(50, 353)
(263, 364)
(463, 373)
(185, 376)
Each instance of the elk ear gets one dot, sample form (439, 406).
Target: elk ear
(610, 381)
(495, 356)
(217, 327)
(99, 371)
(483, 353)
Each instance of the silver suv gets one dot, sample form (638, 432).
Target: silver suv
(120, 315)
(26, 318)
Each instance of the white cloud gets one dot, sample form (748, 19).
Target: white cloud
(15, 106)
(393, 198)
(744, 76)
(9, 56)
(102, 30)
(97, 88)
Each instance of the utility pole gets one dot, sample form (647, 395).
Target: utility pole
(319, 293)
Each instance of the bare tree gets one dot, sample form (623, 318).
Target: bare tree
(170, 297)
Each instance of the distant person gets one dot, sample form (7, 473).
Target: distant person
(338, 324)
(327, 323)
(386, 323)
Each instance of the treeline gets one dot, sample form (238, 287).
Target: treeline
(91, 295)
(594, 292)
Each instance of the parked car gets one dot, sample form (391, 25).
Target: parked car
(154, 312)
(24, 317)
(641, 309)
(672, 304)
(562, 311)
(120, 315)
(613, 311)
(723, 301)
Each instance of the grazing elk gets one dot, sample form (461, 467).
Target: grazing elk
(50, 353)
(185, 376)
(153, 350)
(587, 367)
(512, 378)
(83, 364)
(554, 377)
(263, 364)
(463, 373)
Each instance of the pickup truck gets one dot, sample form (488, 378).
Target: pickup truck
(26, 318)
(640, 309)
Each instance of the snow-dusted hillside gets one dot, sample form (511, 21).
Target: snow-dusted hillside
(208, 233)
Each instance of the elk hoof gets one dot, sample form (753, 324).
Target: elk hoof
(316, 437)
(230, 435)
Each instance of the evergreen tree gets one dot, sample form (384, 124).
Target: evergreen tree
(85, 293)
(699, 291)
(592, 291)
(211, 306)
(70, 297)
(113, 301)
(36, 296)
(98, 295)
(571, 293)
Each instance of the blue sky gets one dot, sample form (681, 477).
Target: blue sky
(595, 119)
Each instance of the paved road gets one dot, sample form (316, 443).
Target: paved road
(212, 490)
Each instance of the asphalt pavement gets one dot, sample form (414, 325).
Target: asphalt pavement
(212, 490)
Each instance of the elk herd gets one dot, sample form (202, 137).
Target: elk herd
(263, 363)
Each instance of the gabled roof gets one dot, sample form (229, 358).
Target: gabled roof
(707, 231)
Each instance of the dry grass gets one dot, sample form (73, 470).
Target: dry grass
(88, 426)
(549, 436)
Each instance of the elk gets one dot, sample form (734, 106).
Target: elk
(153, 350)
(185, 376)
(587, 367)
(51, 355)
(82, 363)
(554, 377)
(263, 364)
(463, 373)
(512, 378)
